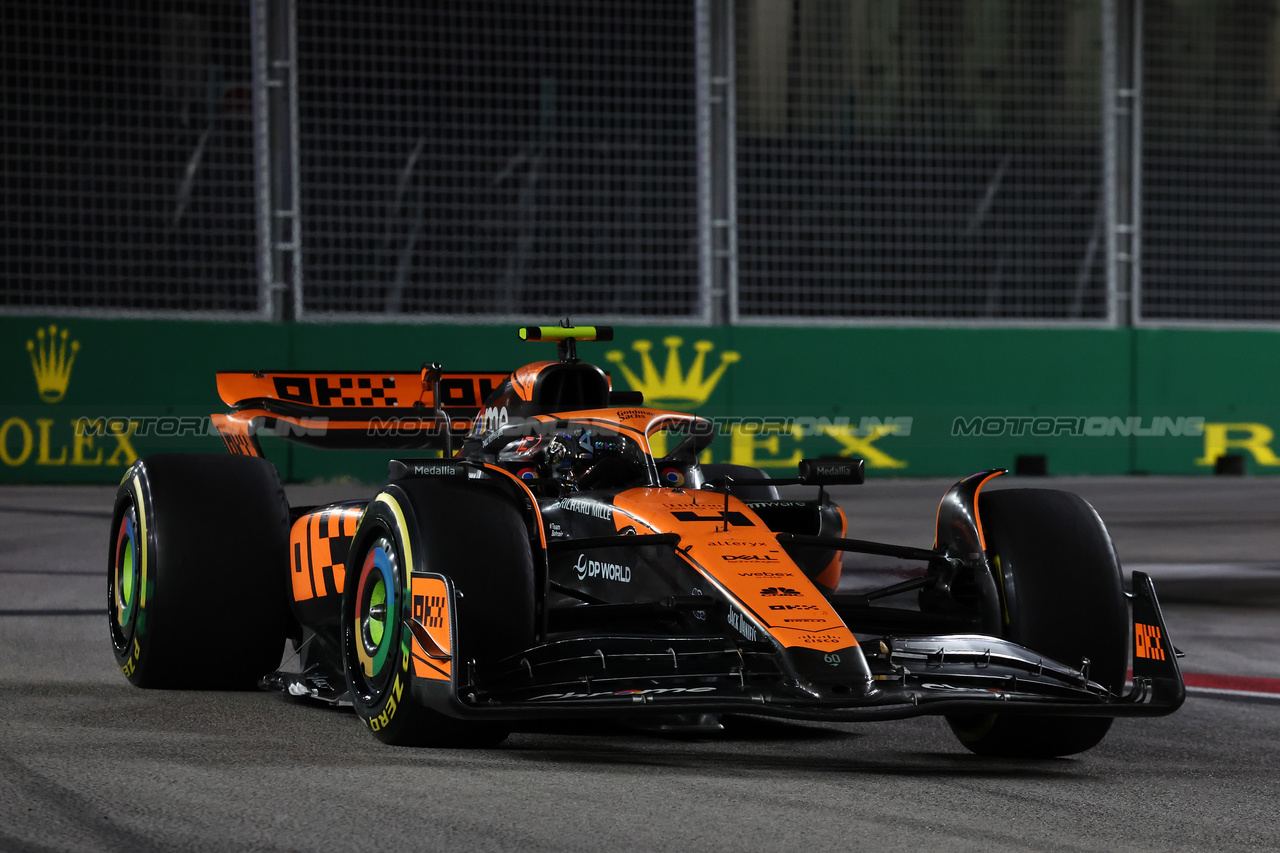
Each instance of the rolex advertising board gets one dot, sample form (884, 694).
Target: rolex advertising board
(80, 398)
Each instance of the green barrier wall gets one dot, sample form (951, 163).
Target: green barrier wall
(1229, 377)
(911, 402)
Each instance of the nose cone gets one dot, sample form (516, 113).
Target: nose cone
(726, 541)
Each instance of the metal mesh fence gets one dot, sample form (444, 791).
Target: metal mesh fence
(499, 158)
(910, 161)
(920, 160)
(1211, 167)
(125, 157)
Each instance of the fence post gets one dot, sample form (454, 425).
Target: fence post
(1122, 155)
(717, 204)
(267, 303)
(273, 31)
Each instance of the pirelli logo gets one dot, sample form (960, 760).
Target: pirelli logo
(1147, 643)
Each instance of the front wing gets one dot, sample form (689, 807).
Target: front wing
(640, 675)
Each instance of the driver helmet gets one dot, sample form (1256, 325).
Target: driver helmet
(560, 455)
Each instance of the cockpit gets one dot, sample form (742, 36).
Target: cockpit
(576, 455)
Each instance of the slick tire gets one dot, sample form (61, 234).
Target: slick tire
(474, 535)
(744, 472)
(197, 572)
(1062, 595)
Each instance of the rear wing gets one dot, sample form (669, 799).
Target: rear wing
(394, 410)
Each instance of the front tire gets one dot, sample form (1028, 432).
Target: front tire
(197, 572)
(473, 535)
(1061, 595)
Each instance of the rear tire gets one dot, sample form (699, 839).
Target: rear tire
(1062, 595)
(475, 536)
(197, 572)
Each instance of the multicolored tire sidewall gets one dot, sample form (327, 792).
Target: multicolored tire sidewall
(472, 537)
(128, 580)
(375, 637)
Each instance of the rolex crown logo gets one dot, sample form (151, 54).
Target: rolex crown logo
(51, 362)
(674, 387)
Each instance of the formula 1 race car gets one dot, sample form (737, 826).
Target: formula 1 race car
(547, 547)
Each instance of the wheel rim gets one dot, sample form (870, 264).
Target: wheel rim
(375, 616)
(125, 583)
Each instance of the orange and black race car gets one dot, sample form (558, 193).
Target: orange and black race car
(548, 547)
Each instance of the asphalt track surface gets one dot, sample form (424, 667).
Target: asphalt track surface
(88, 762)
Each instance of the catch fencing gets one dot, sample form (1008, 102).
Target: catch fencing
(689, 162)
(126, 159)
